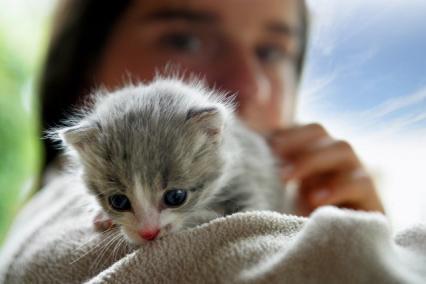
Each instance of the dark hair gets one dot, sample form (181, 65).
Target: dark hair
(81, 29)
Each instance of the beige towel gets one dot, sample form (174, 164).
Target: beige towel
(53, 241)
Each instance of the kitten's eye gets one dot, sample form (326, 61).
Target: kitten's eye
(174, 197)
(120, 202)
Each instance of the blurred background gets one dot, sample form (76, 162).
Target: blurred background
(365, 80)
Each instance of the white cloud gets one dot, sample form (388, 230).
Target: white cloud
(396, 160)
(396, 104)
(335, 21)
(388, 137)
(316, 88)
(393, 151)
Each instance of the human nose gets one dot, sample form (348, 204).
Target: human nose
(243, 76)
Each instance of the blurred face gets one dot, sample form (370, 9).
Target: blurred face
(247, 47)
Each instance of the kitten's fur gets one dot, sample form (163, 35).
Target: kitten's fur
(142, 139)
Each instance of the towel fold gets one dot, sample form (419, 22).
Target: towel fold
(53, 241)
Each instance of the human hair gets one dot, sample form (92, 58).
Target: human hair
(80, 32)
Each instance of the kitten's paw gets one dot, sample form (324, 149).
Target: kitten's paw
(102, 222)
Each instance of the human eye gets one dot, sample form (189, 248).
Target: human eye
(181, 41)
(271, 54)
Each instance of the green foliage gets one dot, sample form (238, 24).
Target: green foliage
(23, 36)
(19, 145)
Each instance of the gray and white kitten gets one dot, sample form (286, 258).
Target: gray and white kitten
(169, 155)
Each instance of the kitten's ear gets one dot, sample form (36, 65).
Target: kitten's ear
(209, 119)
(79, 135)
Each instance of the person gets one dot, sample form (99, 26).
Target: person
(253, 48)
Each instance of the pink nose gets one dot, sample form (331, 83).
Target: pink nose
(149, 235)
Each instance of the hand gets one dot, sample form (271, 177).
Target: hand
(327, 170)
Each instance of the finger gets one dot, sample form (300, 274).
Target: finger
(354, 190)
(343, 189)
(291, 141)
(335, 156)
(307, 188)
(316, 181)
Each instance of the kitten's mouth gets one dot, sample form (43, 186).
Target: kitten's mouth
(165, 230)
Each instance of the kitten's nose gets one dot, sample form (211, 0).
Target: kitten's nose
(148, 235)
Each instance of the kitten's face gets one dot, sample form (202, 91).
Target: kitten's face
(153, 173)
(158, 190)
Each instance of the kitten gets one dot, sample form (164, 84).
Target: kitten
(169, 155)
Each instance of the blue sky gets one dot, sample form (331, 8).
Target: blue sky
(367, 54)
(365, 81)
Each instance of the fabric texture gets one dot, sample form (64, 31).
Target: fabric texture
(53, 241)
